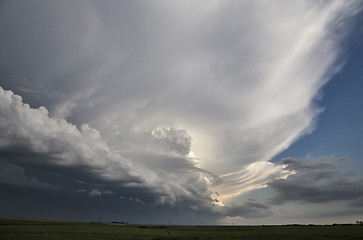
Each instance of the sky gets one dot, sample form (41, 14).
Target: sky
(182, 112)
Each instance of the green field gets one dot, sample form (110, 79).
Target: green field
(39, 229)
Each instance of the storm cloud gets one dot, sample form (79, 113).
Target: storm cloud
(317, 181)
(32, 139)
(163, 102)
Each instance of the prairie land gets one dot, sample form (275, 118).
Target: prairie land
(42, 229)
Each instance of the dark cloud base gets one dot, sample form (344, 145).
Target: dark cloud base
(317, 181)
(45, 204)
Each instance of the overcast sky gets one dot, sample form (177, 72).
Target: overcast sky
(182, 112)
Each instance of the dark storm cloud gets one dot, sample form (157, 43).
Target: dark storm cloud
(316, 181)
(44, 161)
(14, 175)
(37, 203)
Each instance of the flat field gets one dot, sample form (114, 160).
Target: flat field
(39, 229)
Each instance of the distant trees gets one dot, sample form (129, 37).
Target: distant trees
(357, 223)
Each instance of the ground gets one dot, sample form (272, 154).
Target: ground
(42, 229)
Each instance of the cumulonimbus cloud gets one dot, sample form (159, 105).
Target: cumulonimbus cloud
(29, 137)
(188, 96)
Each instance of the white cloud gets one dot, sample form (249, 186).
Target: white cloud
(69, 146)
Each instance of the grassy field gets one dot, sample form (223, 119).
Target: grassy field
(38, 229)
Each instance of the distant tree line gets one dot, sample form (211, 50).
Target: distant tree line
(357, 223)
